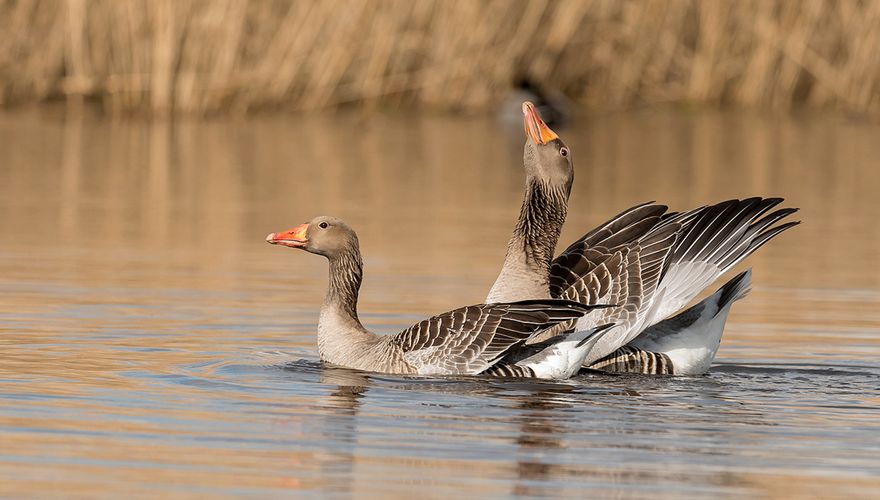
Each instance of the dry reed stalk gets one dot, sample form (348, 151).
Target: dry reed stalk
(208, 56)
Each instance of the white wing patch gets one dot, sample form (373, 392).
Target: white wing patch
(683, 281)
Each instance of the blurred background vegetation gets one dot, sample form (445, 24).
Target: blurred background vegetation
(232, 56)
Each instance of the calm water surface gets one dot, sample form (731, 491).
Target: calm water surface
(151, 342)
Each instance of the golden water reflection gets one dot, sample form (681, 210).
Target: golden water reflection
(153, 344)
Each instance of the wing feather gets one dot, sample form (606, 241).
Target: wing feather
(652, 263)
(470, 339)
(719, 238)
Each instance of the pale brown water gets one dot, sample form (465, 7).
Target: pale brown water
(151, 342)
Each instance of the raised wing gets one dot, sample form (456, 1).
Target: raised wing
(625, 227)
(625, 275)
(653, 263)
(468, 340)
(713, 242)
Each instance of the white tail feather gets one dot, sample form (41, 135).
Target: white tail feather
(691, 338)
(564, 358)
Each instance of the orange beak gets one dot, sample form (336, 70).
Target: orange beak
(294, 238)
(535, 126)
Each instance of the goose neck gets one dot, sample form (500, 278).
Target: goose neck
(539, 224)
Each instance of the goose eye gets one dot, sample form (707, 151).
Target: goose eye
(563, 152)
(323, 225)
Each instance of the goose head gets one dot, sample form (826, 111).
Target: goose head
(545, 157)
(323, 235)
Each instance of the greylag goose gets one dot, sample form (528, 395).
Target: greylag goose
(470, 340)
(649, 262)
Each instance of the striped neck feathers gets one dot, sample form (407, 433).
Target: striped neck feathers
(342, 339)
(346, 275)
(539, 225)
(526, 270)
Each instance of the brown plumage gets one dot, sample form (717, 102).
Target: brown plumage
(465, 341)
(645, 261)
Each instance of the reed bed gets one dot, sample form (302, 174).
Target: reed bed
(200, 56)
